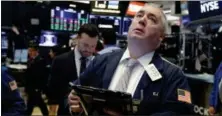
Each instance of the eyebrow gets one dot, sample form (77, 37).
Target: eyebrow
(141, 11)
(150, 14)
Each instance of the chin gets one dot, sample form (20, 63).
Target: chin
(136, 36)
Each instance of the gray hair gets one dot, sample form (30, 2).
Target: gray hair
(163, 17)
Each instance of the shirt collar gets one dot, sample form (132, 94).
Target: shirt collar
(143, 60)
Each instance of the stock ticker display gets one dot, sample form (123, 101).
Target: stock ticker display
(67, 19)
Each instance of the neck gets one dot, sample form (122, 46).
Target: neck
(34, 56)
(138, 48)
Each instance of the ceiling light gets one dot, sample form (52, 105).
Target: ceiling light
(72, 5)
(167, 11)
(105, 26)
(172, 18)
(85, 2)
(106, 11)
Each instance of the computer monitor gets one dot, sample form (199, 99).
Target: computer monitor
(24, 55)
(48, 39)
(4, 41)
(104, 22)
(126, 23)
(17, 56)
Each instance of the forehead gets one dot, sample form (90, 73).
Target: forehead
(86, 36)
(149, 9)
(87, 39)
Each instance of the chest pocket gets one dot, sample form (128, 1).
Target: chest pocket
(149, 91)
(153, 92)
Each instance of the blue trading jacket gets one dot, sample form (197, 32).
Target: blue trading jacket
(214, 97)
(12, 102)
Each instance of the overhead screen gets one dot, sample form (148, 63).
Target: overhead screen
(48, 39)
(107, 22)
(134, 7)
(67, 19)
(204, 9)
(126, 23)
(105, 7)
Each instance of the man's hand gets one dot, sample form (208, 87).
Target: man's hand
(111, 112)
(211, 111)
(74, 102)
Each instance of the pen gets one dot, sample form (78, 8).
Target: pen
(141, 94)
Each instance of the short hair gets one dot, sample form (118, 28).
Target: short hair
(34, 46)
(56, 50)
(89, 29)
(109, 36)
(163, 17)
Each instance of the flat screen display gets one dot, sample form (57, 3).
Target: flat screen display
(24, 55)
(48, 39)
(107, 22)
(17, 55)
(204, 9)
(67, 19)
(126, 23)
(4, 41)
(105, 7)
(134, 7)
(20, 56)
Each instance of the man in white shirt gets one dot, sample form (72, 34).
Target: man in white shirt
(68, 66)
(109, 38)
(140, 71)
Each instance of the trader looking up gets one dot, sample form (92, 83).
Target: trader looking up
(139, 67)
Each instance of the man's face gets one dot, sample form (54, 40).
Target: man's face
(32, 52)
(86, 44)
(147, 26)
(51, 54)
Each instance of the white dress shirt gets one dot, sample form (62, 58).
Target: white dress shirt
(136, 74)
(220, 90)
(78, 61)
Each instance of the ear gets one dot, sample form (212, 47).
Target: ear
(162, 37)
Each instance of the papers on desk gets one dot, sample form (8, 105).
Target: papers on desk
(17, 66)
(203, 77)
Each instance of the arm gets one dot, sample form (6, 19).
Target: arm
(54, 81)
(12, 102)
(214, 93)
(43, 74)
(172, 104)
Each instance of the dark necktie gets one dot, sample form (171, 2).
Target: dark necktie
(83, 64)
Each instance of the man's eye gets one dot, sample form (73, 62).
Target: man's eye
(153, 19)
(139, 15)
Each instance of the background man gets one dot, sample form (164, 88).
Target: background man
(109, 38)
(36, 80)
(68, 66)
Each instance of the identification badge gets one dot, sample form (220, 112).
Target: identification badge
(13, 85)
(153, 72)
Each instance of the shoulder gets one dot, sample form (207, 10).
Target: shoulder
(6, 78)
(105, 56)
(171, 70)
(64, 55)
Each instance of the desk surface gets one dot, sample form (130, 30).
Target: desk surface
(209, 78)
(17, 66)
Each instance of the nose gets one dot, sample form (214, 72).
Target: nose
(142, 21)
